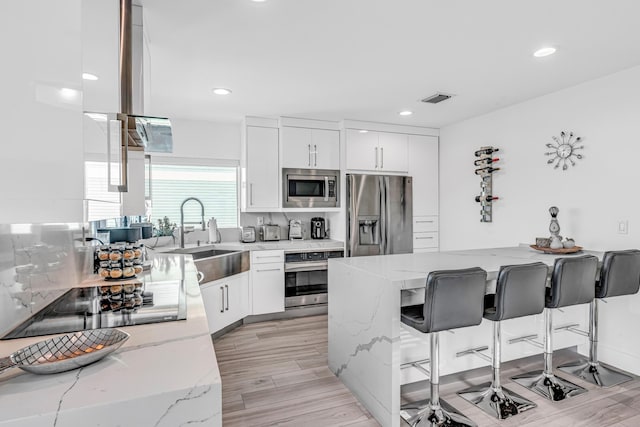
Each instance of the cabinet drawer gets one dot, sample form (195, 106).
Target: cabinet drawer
(264, 257)
(425, 240)
(425, 223)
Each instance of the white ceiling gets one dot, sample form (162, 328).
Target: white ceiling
(369, 59)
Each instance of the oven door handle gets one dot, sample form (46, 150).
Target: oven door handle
(295, 267)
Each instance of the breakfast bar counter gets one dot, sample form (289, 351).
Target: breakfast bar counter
(166, 374)
(368, 343)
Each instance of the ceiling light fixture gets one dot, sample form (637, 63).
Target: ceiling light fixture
(545, 51)
(89, 76)
(221, 91)
(405, 113)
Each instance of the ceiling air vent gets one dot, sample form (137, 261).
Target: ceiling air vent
(436, 98)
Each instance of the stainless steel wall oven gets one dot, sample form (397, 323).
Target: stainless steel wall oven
(305, 277)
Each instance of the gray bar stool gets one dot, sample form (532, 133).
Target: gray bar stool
(619, 275)
(572, 283)
(452, 299)
(520, 291)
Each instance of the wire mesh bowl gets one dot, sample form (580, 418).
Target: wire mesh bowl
(66, 352)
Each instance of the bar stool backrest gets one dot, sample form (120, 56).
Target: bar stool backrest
(454, 299)
(520, 291)
(573, 281)
(620, 274)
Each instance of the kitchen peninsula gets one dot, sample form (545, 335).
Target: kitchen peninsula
(166, 374)
(368, 343)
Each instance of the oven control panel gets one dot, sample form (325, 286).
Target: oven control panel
(313, 256)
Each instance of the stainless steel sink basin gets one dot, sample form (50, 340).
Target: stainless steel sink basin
(214, 264)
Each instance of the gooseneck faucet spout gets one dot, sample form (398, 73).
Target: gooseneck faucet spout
(182, 217)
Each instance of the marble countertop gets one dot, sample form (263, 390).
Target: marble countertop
(161, 376)
(286, 245)
(412, 269)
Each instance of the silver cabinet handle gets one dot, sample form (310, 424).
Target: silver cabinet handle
(376, 157)
(309, 147)
(315, 155)
(326, 188)
(222, 301)
(423, 237)
(250, 194)
(424, 221)
(269, 269)
(200, 276)
(381, 157)
(267, 256)
(226, 288)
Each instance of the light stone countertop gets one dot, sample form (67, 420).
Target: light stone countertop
(286, 245)
(166, 374)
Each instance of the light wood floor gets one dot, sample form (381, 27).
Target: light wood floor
(275, 374)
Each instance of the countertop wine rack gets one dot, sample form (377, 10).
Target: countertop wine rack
(485, 167)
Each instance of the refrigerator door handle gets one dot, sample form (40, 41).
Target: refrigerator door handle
(383, 216)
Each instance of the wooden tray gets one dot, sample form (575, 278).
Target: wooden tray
(572, 250)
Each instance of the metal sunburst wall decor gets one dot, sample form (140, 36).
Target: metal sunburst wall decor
(564, 150)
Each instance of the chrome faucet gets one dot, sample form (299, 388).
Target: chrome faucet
(182, 218)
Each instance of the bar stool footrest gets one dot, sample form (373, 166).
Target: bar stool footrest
(420, 413)
(550, 387)
(597, 373)
(500, 403)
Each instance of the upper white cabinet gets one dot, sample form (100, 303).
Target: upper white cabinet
(423, 167)
(261, 170)
(377, 151)
(41, 167)
(305, 148)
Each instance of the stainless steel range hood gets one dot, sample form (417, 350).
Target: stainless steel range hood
(153, 134)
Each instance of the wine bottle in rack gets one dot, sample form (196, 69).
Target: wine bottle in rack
(485, 162)
(486, 171)
(486, 198)
(486, 151)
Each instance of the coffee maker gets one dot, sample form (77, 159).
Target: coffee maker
(318, 230)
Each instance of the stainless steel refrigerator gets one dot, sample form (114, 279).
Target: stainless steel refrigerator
(379, 215)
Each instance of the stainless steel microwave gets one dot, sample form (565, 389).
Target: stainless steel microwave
(310, 188)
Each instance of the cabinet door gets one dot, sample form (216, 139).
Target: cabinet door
(394, 152)
(361, 150)
(267, 284)
(213, 297)
(237, 297)
(263, 172)
(423, 167)
(325, 147)
(296, 148)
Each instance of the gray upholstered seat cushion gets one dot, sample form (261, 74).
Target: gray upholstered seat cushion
(573, 281)
(453, 299)
(620, 274)
(520, 291)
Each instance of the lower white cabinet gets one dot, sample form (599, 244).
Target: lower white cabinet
(226, 300)
(267, 282)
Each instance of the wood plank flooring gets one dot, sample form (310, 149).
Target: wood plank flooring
(275, 374)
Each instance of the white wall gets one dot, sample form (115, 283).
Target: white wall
(592, 196)
(203, 139)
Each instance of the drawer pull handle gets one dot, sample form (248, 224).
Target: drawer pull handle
(423, 237)
(424, 221)
(269, 269)
(270, 256)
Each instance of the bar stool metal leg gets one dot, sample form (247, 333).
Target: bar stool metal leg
(491, 397)
(434, 412)
(545, 383)
(591, 370)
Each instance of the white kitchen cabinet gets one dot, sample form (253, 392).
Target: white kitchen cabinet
(305, 148)
(377, 151)
(423, 167)
(267, 282)
(261, 175)
(41, 105)
(226, 300)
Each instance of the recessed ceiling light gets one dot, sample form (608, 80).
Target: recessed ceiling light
(363, 131)
(405, 113)
(89, 76)
(221, 91)
(545, 51)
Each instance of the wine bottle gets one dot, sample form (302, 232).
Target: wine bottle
(486, 171)
(485, 162)
(486, 198)
(487, 151)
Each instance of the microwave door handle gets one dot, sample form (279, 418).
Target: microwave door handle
(326, 188)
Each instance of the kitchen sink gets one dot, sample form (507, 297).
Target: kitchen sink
(214, 264)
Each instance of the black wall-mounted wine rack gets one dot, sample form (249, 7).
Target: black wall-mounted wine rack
(485, 167)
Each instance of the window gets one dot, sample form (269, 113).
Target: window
(215, 186)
